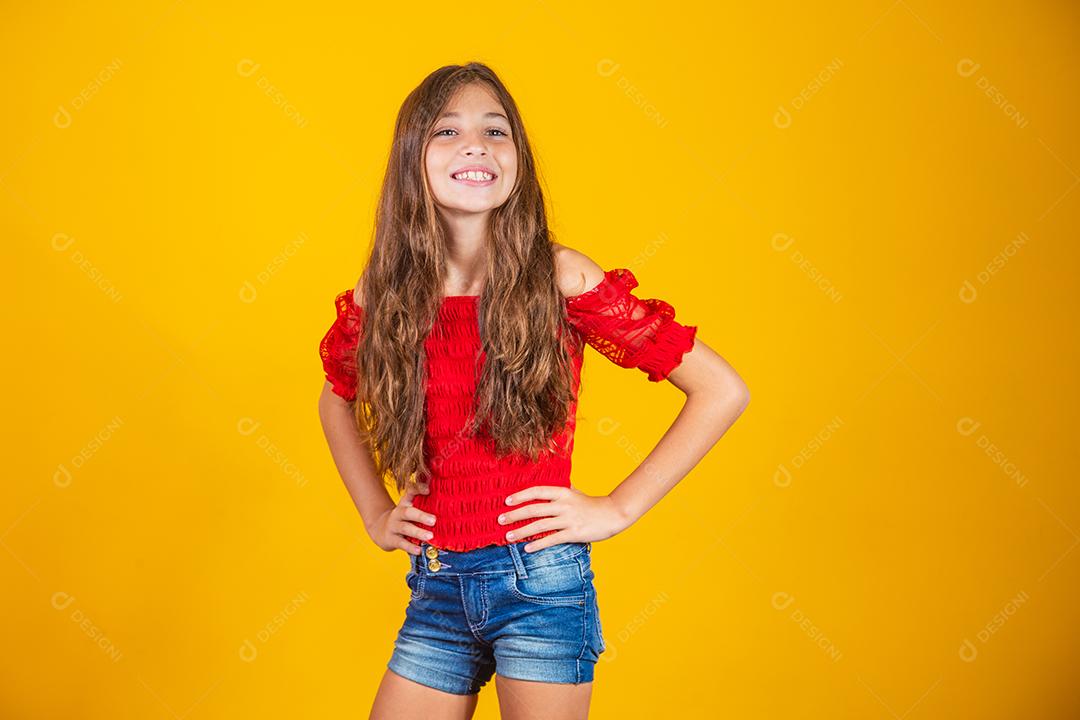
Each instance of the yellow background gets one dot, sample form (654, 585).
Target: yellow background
(890, 530)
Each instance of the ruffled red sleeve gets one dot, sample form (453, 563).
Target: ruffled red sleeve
(338, 346)
(630, 331)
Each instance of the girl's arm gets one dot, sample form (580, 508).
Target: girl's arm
(715, 398)
(385, 521)
(352, 457)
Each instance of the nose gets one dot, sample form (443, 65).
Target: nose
(475, 145)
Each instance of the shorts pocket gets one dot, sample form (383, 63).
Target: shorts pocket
(558, 583)
(599, 627)
(415, 581)
(589, 576)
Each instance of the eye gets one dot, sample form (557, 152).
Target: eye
(445, 130)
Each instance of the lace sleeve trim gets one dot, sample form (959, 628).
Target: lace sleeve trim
(338, 346)
(632, 332)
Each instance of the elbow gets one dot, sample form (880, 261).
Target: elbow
(732, 403)
(729, 395)
(737, 389)
(742, 397)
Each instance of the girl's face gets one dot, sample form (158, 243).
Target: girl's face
(473, 137)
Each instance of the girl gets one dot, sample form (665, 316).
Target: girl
(453, 370)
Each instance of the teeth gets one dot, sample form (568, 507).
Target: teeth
(474, 175)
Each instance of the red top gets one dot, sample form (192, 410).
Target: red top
(468, 484)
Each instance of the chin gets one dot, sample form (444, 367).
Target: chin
(473, 207)
(471, 210)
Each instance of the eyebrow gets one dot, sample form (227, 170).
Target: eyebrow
(486, 115)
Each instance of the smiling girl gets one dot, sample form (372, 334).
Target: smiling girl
(453, 370)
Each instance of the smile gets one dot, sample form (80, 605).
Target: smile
(474, 177)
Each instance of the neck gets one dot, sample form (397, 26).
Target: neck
(466, 253)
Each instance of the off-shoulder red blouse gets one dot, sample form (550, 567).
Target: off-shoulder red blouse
(468, 484)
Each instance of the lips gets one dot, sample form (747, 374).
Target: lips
(478, 171)
(481, 176)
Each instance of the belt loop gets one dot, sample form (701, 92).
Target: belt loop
(519, 564)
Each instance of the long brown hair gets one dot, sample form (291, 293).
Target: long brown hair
(525, 388)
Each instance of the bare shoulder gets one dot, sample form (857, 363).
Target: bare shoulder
(576, 271)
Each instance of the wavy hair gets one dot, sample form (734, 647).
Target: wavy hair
(526, 385)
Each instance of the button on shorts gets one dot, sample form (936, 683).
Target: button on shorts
(529, 616)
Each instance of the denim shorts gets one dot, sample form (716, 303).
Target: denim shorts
(529, 616)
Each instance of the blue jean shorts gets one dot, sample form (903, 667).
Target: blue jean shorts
(529, 616)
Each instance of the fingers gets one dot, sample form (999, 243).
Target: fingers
(547, 541)
(415, 513)
(407, 528)
(404, 531)
(533, 528)
(536, 492)
(409, 547)
(533, 510)
(405, 512)
(411, 491)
